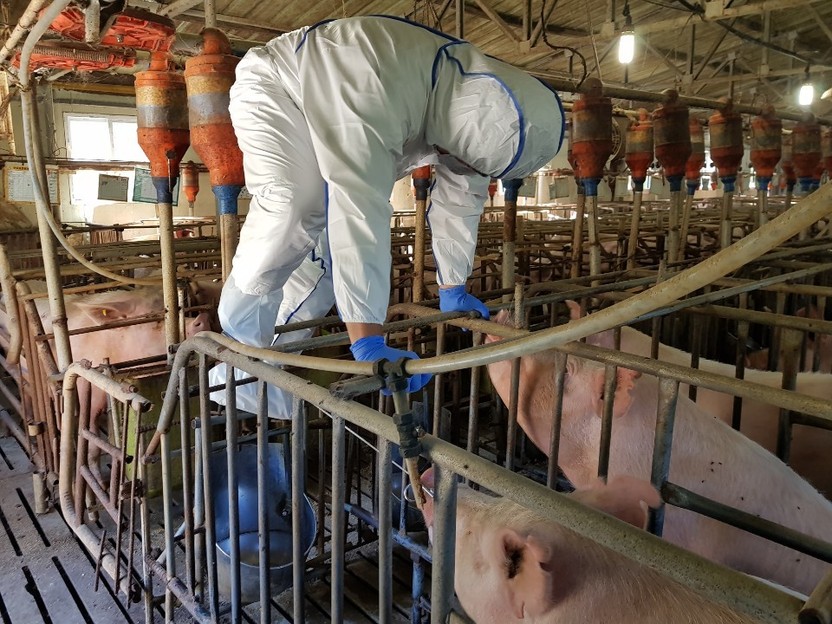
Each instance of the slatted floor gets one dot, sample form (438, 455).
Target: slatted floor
(45, 573)
(48, 576)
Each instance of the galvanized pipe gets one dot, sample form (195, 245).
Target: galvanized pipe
(337, 521)
(557, 419)
(594, 242)
(685, 227)
(168, 253)
(385, 542)
(298, 444)
(444, 543)
(170, 561)
(207, 490)
(578, 235)
(264, 549)
(34, 160)
(632, 244)
(663, 444)
(639, 95)
(674, 234)
(233, 495)
(606, 422)
(726, 233)
(92, 22)
(7, 283)
(818, 609)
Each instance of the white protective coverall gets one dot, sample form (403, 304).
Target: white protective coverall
(328, 117)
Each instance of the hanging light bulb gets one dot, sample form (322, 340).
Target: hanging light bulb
(807, 91)
(627, 40)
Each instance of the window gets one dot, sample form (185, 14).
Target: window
(99, 137)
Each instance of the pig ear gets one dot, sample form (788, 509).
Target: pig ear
(604, 339)
(574, 309)
(528, 573)
(625, 384)
(624, 497)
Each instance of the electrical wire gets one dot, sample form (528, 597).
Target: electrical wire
(665, 6)
(697, 10)
(559, 47)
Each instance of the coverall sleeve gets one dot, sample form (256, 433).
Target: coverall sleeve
(456, 204)
(356, 129)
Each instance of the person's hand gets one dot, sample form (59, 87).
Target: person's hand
(456, 299)
(372, 349)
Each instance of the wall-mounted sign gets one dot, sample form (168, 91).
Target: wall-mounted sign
(113, 187)
(144, 191)
(19, 184)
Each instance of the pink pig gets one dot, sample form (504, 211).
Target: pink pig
(708, 458)
(811, 448)
(514, 566)
(119, 344)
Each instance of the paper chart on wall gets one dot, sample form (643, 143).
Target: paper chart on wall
(19, 185)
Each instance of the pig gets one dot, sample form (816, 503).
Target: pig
(119, 344)
(811, 448)
(513, 565)
(709, 458)
(823, 342)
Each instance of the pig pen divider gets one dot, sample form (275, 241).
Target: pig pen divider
(741, 592)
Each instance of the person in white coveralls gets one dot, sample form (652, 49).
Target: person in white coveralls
(328, 118)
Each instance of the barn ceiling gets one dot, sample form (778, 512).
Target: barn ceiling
(754, 50)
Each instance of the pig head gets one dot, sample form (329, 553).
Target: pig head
(117, 344)
(583, 394)
(515, 566)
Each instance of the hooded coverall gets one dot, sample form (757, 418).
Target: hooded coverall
(328, 117)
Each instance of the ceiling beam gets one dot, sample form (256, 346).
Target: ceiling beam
(820, 21)
(710, 15)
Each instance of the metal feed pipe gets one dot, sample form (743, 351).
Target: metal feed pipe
(564, 84)
(25, 22)
(34, 160)
(40, 187)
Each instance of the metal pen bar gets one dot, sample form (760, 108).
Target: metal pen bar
(610, 375)
(337, 544)
(167, 511)
(680, 497)
(187, 479)
(663, 445)
(557, 418)
(298, 438)
(385, 544)
(763, 602)
(264, 546)
(208, 492)
(233, 497)
(473, 404)
(444, 544)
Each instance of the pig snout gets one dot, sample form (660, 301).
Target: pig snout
(199, 324)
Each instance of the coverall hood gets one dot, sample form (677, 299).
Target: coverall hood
(492, 116)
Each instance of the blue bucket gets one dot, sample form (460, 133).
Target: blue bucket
(280, 521)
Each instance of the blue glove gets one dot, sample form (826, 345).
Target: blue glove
(372, 349)
(456, 299)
